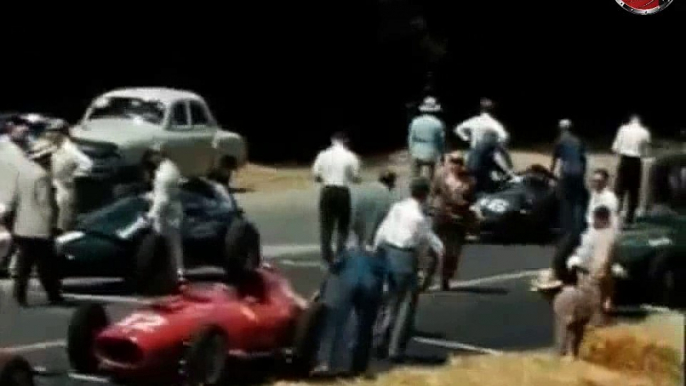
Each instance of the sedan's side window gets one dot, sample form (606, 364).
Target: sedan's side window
(179, 116)
(198, 114)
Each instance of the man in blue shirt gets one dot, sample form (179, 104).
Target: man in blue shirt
(355, 285)
(426, 139)
(571, 154)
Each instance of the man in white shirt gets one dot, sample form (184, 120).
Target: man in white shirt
(67, 163)
(631, 144)
(602, 195)
(473, 129)
(594, 259)
(166, 212)
(336, 168)
(402, 236)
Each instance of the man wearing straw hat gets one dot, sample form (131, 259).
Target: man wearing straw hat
(34, 224)
(426, 139)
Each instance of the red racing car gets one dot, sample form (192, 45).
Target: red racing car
(191, 336)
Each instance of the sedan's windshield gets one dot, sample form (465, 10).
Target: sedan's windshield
(128, 108)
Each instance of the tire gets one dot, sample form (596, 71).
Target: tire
(204, 363)
(15, 371)
(85, 325)
(152, 273)
(663, 281)
(241, 247)
(308, 332)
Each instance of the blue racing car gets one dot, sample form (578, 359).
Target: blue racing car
(115, 241)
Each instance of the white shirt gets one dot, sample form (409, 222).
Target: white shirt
(474, 128)
(604, 198)
(632, 140)
(407, 227)
(337, 166)
(166, 203)
(67, 162)
(593, 252)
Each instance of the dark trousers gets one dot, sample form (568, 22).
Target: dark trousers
(41, 254)
(334, 212)
(563, 250)
(573, 200)
(628, 184)
(424, 169)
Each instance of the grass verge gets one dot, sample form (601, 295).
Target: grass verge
(646, 354)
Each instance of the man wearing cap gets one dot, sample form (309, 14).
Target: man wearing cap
(336, 168)
(371, 203)
(474, 128)
(631, 144)
(403, 235)
(426, 139)
(34, 224)
(67, 162)
(166, 212)
(570, 153)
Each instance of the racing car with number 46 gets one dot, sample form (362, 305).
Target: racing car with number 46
(520, 209)
(191, 336)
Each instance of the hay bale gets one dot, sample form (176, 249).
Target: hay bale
(652, 349)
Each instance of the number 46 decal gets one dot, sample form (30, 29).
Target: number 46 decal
(142, 322)
(497, 205)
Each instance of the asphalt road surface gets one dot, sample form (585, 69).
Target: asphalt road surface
(489, 310)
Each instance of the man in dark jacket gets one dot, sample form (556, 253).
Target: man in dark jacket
(570, 152)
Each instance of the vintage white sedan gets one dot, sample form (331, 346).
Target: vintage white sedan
(120, 125)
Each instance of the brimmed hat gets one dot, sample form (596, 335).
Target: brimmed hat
(565, 123)
(430, 105)
(545, 281)
(57, 125)
(41, 149)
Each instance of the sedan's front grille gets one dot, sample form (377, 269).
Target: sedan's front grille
(106, 160)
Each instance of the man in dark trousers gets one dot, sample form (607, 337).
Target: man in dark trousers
(336, 168)
(34, 224)
(402, 238)
(631, 145)
(570, 152)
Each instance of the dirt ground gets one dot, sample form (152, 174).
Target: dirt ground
(260, 178)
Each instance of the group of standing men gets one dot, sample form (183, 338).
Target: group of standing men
(434, 220)
(38, 201)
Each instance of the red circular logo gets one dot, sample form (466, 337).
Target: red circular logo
(644, 7)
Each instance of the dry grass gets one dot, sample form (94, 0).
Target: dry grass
(263, 178)
(267, 178)
(649, 354)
